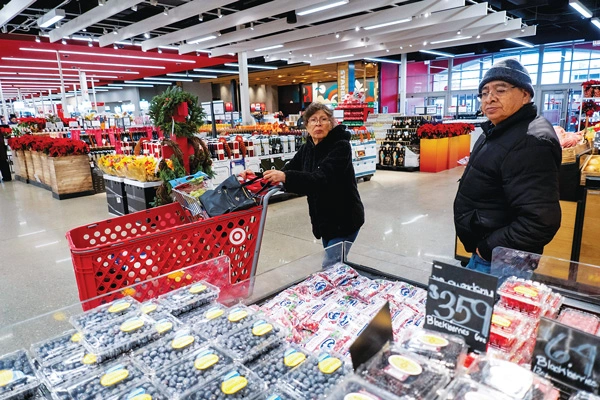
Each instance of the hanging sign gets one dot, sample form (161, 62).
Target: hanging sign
(342, 81)
(461, 301)
(567, 355)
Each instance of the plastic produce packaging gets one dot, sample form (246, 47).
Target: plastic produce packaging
(313, 286)
(355, 388)
(338, 273)
(278, 392)
(464, 388)
(278, 362)
(189, 297)
(237, 383)
(17, 376)
(167, 350)
(48, 350)
(193, 370)
(107, 313)
(404, 373)
(109, 341)
(165, 324)
(110, 381)
(584, 396)
(581, 320)
(449, 350)
(508, 329)
(252, 341)
(218, 320)
(317, 375)
(152, 307)
(69, 368)
(142, 390)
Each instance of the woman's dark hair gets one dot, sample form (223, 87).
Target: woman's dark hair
(313, 108)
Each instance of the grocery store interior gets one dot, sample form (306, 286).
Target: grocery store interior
(113, 112)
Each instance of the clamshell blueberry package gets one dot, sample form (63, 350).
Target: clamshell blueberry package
(218, 320)
(278, 362)
(166, 324)
(237, 383)
(187, 298)
(193, 370)
(17, 376)
(68, 368)
(106, 382)
(48, 350)
(355, 388)
(152, 307)
(107, 313)
(449, 350)
(317, 375)
(251, 341)
(167, 350)
(405, 373)
(110, 341)
(140, 390)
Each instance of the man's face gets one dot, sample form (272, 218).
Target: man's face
(500, 100)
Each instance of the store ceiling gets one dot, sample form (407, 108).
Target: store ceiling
(278, 32)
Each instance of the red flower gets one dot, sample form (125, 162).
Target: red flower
(439, 130)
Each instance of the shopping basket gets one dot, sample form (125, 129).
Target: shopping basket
(113, 254)
(181, 189)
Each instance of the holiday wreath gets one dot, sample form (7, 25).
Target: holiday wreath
(176, 111)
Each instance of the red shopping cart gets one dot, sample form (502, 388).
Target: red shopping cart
(116, 253)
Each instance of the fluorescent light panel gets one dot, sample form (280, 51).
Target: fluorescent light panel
(203, 39)
(83, 53)
(121, 85)
(400, 21)
(64, 76)
(596, 22)
(331, 4)
(236, 65)
(83, 69)
(383, 60)
(520, 42)
(193, 75)
(342, 56)
(168, 79)
(149, 82)
(83, 63)
(51, 17)
(454, 39)
(277, 46)
(216, 71)
(437, 53)
(580, 8)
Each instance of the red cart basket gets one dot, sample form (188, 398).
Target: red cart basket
(119, 252)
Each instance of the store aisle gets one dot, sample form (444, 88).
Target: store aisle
(409, 214)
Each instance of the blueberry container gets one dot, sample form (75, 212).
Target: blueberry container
(48, 351)
(187, 298)
(278, 392)
(69, 368)
(140, 390)
(252, 341)
(192, 371)
(195, 314)
(218, 321)
(110, 341)
(167, 350)
(405, 374)
(355, 388)
(17, 376)
(107, 382)
(166, 324)
(153, 307)
(317, 375)
(236, 383)
(106, 314)
(464, 388)
(278, 362)
(449, 350)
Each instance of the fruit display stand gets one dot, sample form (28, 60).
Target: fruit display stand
(185, 321)
(140, 195)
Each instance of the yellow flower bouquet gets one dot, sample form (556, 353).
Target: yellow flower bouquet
(143, 169)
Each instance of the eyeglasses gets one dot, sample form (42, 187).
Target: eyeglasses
(321, 121)
(499, 91)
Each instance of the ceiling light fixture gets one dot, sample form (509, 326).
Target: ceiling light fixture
(204, 39)
(596, 22)
(425, 43)
(219, 13)
(437, 53)
(193, 76)
(159, 51)
(83, 69)
(385, 60)
(478, 37)
(133, 85)
(458, 32)
(116, 46)
(216, 71)
(400, 21)
(134, 8)
(84, 63)
(357, 28)
(166, 11)
(337, 35)
(168, 79)
(236, 65)
(104, 31)
(342, 56)
(115, 31)
(101, 2)
(90, 44)
(37, 39)
(451, 39)
(580, 8)
(147, 83)
(520, 42)
(219, 33)
(321, 8)
(51, 17)
(251, 26)
(200, 17)
(63, 41)
(83, 53)
(147, 35)
(154, 2)
(277, 46)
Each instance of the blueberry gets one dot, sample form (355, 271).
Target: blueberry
(24, 382)
(58, 346)
(212, 389)
(250, 342)
(68, 368)
(189, 297)
(308, 380)
(168, 350)
(106, 313)
(218, 321)
(274, 365)
(99, 385)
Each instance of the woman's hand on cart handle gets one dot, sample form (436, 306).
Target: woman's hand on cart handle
(274, 176)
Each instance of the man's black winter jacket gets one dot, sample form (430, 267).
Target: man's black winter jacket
(508, 195)
(324, 172)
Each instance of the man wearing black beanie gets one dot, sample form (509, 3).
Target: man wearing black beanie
(508, 195)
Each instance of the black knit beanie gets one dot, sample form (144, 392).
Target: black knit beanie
(510, 71)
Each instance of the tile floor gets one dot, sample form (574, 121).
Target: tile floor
(408, 217)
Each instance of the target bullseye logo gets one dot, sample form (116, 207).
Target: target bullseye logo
(237, 236)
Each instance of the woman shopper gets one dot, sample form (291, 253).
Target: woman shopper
(322, 170)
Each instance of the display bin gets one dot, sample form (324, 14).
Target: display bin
(115, 194)
(116, 253)
(140, 195)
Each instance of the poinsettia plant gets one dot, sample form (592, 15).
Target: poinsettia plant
(32, 123)
(439, 130)
(50, 146)
(589, 107)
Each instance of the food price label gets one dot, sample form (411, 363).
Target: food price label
(461, 302)
(568, 356)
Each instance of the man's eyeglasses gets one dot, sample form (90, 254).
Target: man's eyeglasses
(315, 121)
(498, 92)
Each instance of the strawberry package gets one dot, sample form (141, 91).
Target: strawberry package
(338, 273)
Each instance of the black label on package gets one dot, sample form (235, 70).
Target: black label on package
(461, 302)
(373, 337)
(567, 355)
